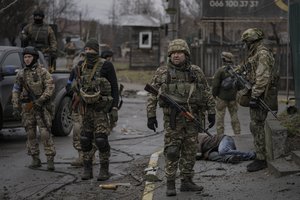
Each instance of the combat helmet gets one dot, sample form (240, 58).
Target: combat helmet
(89, 96)
(39, 12)
(227, 56)
(31, 50)
(178, 45)
(251, 35)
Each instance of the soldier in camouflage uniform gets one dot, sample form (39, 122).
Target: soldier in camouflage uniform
(186, 84)
(259, 70)
(41, 36)
(97, 87)
(70, 50)
(31, 96)
(224, 90)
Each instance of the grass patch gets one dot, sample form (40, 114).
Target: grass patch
(291, 122)
(135, 76)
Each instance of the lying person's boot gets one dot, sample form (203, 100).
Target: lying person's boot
(257, 165)
(188, 185)
(234, 159)
(171, 190)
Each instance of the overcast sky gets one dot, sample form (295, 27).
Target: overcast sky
(100, 9)
(97, 9)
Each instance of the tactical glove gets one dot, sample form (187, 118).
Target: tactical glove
(114, 114)
(254, 103)
(69, 89)
(152, 123)
(16, 113)
(211, 119)
(37, 104)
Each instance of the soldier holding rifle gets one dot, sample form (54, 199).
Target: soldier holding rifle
(31, 98)
(187, 86)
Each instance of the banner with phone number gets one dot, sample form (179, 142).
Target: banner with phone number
(245, 9)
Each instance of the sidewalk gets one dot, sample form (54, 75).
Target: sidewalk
(227, 181)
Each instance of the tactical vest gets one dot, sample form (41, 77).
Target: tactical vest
(184, 87)
(92, 81)
(39, 36)
(271, 91)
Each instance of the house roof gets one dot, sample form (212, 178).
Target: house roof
(139, 20)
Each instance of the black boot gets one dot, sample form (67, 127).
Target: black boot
(88, 170)
(35, 163)
(104, 171)
(188, 185)
(171, 190)
(257, 165)
(50, 163)
(234, 159)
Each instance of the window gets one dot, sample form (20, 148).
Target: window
(11, 63)
(145, 40)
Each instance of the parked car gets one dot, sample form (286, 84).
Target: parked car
(11, 60)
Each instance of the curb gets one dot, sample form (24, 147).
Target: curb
(151, 176)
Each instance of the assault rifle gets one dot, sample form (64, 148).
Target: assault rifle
(176, 107)
(30, 105)
(248, 86)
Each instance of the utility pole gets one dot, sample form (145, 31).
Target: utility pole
(174, 11)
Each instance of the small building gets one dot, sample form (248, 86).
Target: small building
(145, 40)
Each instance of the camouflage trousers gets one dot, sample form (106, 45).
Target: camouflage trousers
(232, 106)
(95, 124)
(30, 120)
(69, 64)
(257, 124)
(77, 123)
(184, 139)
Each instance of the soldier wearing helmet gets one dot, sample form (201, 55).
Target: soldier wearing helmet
(41, 36)
(31, 97)
(224, 91)
(187, 84)
(97, 87)
(260, 71)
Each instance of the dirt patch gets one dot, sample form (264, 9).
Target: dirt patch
(90, 190)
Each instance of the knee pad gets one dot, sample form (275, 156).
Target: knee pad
(86, 143)
(172, 153)
(102, 144)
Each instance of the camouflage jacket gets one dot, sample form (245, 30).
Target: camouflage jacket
(40, 36)
(258, 69)
(228, 94)
(38, 80)
(160, 81)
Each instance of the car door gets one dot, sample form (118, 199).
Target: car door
(10, 64)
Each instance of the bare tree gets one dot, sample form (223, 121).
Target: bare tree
(14, 16)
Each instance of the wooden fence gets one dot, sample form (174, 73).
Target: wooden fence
(207, 56)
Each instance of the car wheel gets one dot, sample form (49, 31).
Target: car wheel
(62, 124)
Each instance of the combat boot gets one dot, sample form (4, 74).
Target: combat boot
(257, 165)
(35, 163)
(103, 173)
(234, 159)
(171, 190)
(88, 170)
(79, 161)
(188, 185)
(50, 163)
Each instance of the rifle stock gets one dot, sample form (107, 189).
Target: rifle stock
(172, 103)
